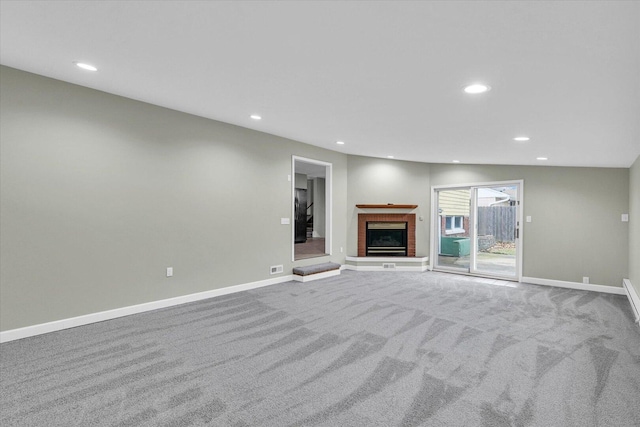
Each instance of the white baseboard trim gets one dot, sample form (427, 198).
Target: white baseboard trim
(380, 268)
(634, 299)
(316, 276)
(58, 325)
(575, 285)
(414, 260)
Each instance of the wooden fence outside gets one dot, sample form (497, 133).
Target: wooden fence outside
(499, 221)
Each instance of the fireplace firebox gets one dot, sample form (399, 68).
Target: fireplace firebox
(386, 238)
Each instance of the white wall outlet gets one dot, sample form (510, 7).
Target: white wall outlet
(289, 178)
(275, 269)
(341, 249)
(625, 217)
(529, 218)
(285, 221)
(169, 271)
(585, 280)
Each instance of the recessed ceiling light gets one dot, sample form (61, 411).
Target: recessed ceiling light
(477, 88)
(541, 158)
(456, 161)
(256, 117)
(521, 138)
(340, 142)
(84, 66)
(389, 157)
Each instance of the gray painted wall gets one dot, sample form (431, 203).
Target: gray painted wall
(99, 194)
(576, 227)
(634, 224)
(301, 181)
(382, 181)
(319, 207)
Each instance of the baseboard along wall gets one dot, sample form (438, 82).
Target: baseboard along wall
(634, 299)
(575, 285)
(58, 325)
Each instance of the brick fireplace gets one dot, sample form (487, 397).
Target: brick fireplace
(409, 219)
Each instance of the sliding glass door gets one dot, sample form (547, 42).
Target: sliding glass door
(477, 229)
(496, 232)
(453, 229)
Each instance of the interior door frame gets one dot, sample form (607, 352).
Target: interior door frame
(434, 244)
(328, 203)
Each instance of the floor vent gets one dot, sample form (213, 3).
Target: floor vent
(388, 265)
(275, 269)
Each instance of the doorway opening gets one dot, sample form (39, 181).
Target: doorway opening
(311, 193)
(476, 229)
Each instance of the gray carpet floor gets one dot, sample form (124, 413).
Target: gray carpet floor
(359, 349)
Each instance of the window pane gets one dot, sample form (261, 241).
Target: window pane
(448, 223)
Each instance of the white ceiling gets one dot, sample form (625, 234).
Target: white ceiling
(385, 77)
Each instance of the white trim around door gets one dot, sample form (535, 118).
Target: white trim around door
(473, 187)
(328, 202)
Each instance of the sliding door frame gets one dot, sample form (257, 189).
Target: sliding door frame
(434, 244)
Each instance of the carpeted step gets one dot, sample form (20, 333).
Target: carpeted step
(328, 268)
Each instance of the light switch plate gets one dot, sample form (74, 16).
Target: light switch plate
(625, 217)
(528, 218)
(284, 221)
(169, 271)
